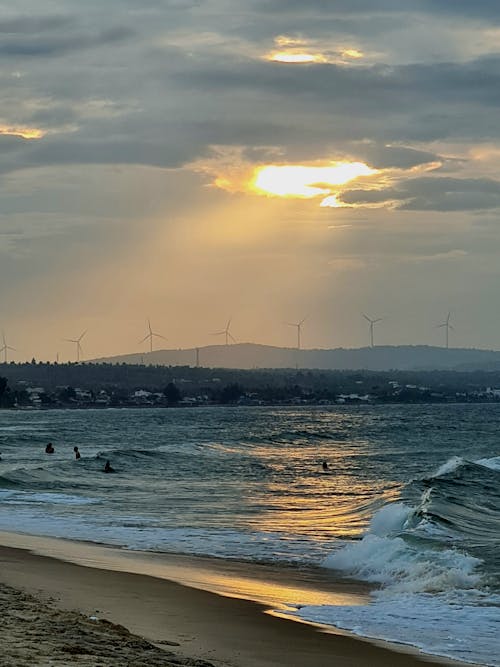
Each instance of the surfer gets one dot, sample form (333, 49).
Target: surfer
(325, 467)
(49, 449)
(77, 453)
(108, 468)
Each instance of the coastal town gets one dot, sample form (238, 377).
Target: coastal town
(44, 386)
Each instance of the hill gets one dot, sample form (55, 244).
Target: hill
(379, 358)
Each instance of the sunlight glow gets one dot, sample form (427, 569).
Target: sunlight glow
(24, 132)
(288, 57)
(352, 53)
(331, 202)
(307, 181)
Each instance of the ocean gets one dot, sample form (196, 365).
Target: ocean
(410, 503)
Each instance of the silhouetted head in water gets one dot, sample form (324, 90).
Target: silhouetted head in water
(49, 449)
(77, 453)
(325, 465)
(108, 468)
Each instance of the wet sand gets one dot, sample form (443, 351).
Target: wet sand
(66, 612)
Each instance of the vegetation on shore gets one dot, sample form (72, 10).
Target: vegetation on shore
(107, 385)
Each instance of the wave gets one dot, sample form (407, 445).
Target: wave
(436, 564)
(387, 558)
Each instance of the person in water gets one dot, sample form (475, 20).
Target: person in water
(325, 466)
(108, 468)
(49, 449)
(77, 453)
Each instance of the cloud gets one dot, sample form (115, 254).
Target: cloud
(143, 104)
(431, 194)
(26, 45)
(26, 25)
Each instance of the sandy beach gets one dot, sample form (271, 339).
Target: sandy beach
(62, 613)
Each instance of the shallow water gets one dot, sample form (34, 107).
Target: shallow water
(412, 502)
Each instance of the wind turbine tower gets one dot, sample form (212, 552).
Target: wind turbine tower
(372, 324)
(77, 342)
(299, 330)
(150, 335)
(225, 332)
(447, 326)
(5, 348)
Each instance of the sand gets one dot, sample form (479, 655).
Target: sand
(61, 613)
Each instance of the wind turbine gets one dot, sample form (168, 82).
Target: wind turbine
(225, 332)
(372, 324)
(446, 325)
(77, 342)
(151, 334)
(5, 348)
(299, 329)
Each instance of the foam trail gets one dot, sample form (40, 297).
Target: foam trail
(461, 630)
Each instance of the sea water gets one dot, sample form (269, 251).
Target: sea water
(411, 501)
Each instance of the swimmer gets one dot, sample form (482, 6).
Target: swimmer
(49, 449)
(108, 468)
(77, 453)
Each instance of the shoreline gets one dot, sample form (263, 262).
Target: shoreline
(229, 613)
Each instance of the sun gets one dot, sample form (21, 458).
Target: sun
(306, 182)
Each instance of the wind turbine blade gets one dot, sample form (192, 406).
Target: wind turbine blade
(217, 333)
(378, 320)
(451, 327)
(291, 324)
(366, 318)
(228, 324)
(158, 335)
(70, 340)
(231, 337)
(302, 321)
(144, 339)
(83, 334)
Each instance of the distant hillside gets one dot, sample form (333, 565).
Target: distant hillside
(380, 358)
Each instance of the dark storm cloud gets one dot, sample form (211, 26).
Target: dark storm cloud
(9, 142)
(357, 90)
(34, 24)
(420, 102)
(393, 157)
(53, 45)
(433, 194)
(482, 9)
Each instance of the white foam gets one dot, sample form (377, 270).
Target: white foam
(389, 519)
(402, 568)
(461, 629)
(139, 533)
(450, 466)
(493, 463)
(24, 497)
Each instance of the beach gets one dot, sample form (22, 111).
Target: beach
(61, 613)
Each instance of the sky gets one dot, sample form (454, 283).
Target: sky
(260, 161)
